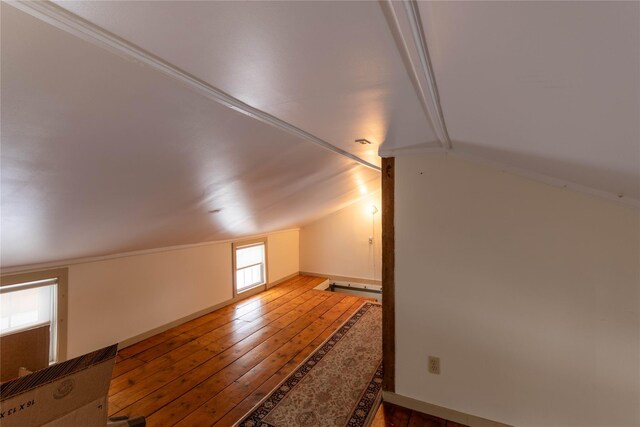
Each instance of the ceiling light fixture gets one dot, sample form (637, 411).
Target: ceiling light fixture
(363, 141)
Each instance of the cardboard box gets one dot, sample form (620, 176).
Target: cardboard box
(27, 349)
(71, 393)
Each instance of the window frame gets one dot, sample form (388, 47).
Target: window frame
(61, 276)
(242, 244)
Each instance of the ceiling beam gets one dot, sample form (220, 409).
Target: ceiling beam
(403, 18)
(61, 18)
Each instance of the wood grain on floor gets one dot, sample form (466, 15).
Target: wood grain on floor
(215, 368)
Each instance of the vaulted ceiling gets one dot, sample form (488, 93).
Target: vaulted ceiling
(124, 124)
(548, 87)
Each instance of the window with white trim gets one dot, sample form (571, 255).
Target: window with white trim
(28, 305)
(250, 265)
(31, 302)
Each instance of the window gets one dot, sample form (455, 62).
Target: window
(27, 305)
(34, 300)
(250, 265)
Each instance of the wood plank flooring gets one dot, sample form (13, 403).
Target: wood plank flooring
(214, 369)
(390, 415)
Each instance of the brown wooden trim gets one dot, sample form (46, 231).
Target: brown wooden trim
(388, 274)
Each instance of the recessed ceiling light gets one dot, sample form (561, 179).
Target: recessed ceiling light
(363, 141)
(215, 210)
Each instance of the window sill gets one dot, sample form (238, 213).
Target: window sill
(238, 291)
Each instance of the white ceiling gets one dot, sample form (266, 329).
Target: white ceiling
(102, 153)
(330, 68)
(548, 87)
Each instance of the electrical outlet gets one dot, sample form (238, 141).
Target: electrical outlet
(434, 365)
(370, 240)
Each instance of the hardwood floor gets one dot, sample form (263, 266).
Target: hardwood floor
(215, 368)
(390, 415)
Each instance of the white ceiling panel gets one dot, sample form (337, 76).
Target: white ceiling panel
(101, 155)
(104, 154)
(330, 68)
(550, 87)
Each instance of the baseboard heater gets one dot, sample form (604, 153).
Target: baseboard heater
(361, 287)
(354, 288)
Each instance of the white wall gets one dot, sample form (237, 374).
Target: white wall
(338, 244)
(283, 254)
(528, 293)
(119, 298)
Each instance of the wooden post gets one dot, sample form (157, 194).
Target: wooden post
(388, 274)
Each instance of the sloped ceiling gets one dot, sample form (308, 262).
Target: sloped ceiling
(104, 151)
(330, 68)
(547, 88)
(102, 155)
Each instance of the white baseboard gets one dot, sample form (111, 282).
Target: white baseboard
(284, 279)
(439, 411)
(133, 340)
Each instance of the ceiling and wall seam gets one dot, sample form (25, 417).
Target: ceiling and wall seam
(16, 269)
(526, 173)
(183, 154)
(62, 19)
(82, 260)
(414, 37)
(429, 97)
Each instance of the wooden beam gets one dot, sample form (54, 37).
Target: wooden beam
(388, 274)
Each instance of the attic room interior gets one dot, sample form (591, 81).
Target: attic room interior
(320, 213)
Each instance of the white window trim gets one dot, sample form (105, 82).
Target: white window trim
(242, 244)
(60, 276)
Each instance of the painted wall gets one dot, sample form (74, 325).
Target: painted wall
(528, 293)
(338, 244)
(283, 255)
(119, 298)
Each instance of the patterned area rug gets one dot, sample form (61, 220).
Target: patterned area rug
(339, 384)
